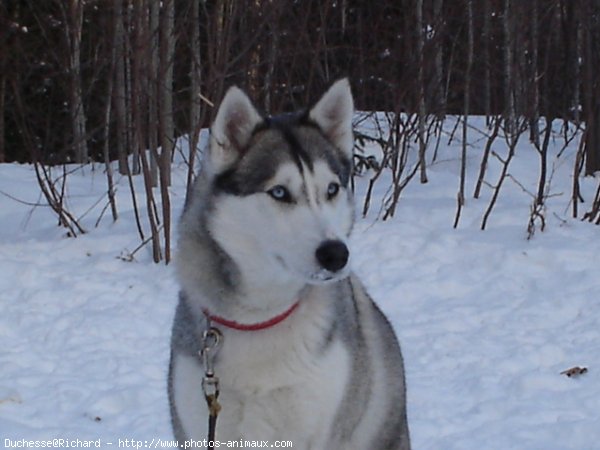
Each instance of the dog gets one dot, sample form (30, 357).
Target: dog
(306, 355)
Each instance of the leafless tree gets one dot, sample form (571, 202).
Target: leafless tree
(421, 89)
(577, 169)
(487, 77)
(593, 215)
(534, 77)
(153, 82)
(440, 97)
(157, 75)
(497, 122)
(106, 136)
(509, 92)
(591, 87)
(195, 94)
(539, 202)
(167, 125)
(2, 107)
(512, 136)
(467, 98)
(402, 132)
(3, 84)
(73, 19)
(120, 93)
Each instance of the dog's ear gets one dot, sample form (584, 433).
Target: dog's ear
(333, 114)
(232, 129)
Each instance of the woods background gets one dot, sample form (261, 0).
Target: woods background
(84, 80)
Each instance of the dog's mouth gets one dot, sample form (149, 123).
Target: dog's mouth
(320, 276)
(324, 276)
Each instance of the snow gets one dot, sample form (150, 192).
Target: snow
(488, 320)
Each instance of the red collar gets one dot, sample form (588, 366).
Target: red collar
(253, 326)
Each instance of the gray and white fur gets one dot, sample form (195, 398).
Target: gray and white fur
(267, 226)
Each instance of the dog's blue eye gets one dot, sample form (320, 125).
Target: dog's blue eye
(332, 190)
(280, 193)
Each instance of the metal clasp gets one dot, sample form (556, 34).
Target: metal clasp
(211, 342)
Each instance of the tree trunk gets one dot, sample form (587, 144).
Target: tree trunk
(577, 57)
(106, 138)
(2, 103)
(167, 126)
(534, 126)
(195, 92)
(132, 82)
(592, 142)
(467, 99)
(421, 91)
(75, 23)
(167, 58)
(138, 91)
(272, 58)
(487, 82)
(219, 46)
(591, 91)
(497, 121)
(3, 77)
(120, 95)
(439, 59)
(154, 80)
(509, 100)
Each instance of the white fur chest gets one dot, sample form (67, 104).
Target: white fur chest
(280, 384)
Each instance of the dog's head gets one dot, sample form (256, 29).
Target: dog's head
(280, 185)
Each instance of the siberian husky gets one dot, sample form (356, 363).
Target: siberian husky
(306, 356)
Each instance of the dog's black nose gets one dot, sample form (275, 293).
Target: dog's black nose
(332, 255)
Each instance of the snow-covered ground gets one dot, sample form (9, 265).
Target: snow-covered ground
(488, 320)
